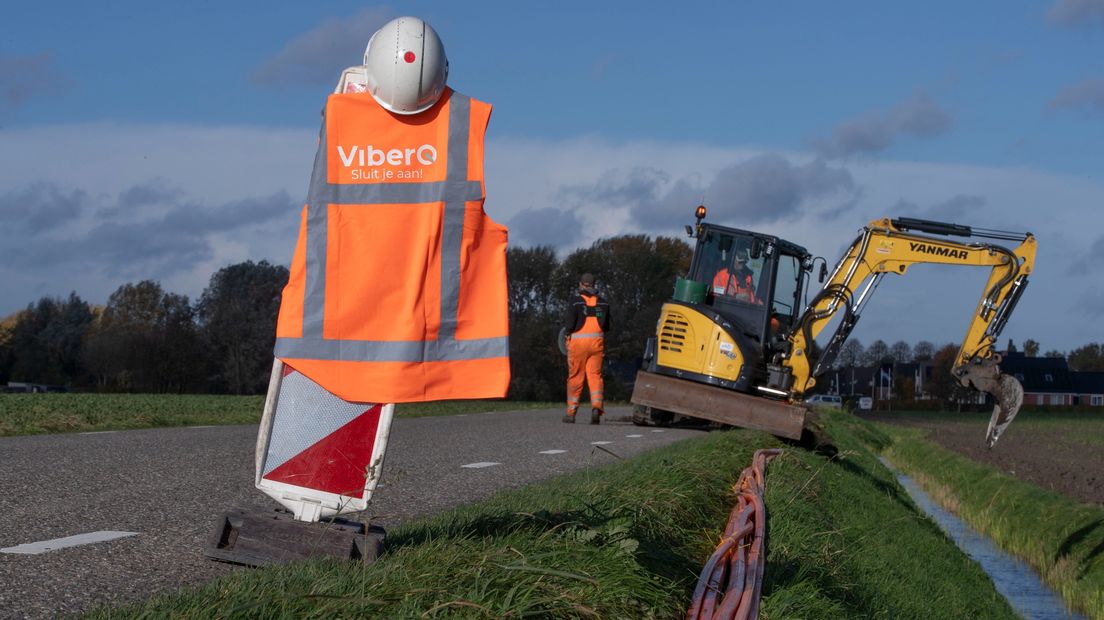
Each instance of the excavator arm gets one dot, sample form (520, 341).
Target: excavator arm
(892, 246)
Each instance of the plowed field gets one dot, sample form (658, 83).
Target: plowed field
(1062, 452)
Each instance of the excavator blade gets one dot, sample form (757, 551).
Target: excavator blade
(1006, 391)
(708, 402)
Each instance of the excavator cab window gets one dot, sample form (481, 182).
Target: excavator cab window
(736, 271)
(787, 284)
(785, 300)
(731, 265)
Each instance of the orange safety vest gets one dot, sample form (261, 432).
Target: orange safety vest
(725, 283)
(398, 283)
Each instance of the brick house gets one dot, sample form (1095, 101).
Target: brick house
(1046, 380)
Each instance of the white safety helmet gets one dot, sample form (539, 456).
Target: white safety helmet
(406, 66)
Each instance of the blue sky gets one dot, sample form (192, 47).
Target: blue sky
(163, 141)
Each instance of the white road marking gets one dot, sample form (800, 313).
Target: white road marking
(552, 451)
(634, 435)
(69, 541)
(97, 432)
(658, 431)
(207, 426)
(480, 465)
(600, 443)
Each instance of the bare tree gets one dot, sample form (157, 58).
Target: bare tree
(923, 351)
(851, 354)
(901, 352)
(876, 353)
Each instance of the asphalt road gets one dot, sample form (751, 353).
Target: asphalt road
(170, 486)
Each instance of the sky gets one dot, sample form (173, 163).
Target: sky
(163, 141)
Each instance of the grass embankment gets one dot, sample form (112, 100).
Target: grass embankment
(628, 540)
(36, 414)
(1061, 539)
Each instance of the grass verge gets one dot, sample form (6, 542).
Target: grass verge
(628, 540)
(1061, 539)
(36, 414)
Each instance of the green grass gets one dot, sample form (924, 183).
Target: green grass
(1062, 539)
(628, 540)
(35, 414)
(846, 541)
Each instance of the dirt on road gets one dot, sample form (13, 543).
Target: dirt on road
(1065, 456)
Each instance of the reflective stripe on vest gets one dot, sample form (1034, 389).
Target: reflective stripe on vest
(425, 326)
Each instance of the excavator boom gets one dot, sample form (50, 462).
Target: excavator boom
(892, 246)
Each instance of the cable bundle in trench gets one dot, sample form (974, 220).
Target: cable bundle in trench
(731, 581)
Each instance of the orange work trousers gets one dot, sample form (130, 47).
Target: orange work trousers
(584, 362)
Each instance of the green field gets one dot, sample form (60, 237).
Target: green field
(1090, 421)
(35, 414)
(628, 540)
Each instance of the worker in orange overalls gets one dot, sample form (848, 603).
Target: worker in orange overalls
(587, 320)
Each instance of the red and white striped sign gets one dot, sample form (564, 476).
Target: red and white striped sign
(317, 454)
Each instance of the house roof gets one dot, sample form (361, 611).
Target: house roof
(1088, 382)
(1038, 374)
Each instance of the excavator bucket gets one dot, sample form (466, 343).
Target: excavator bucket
(1009, 399)
(1007, 393)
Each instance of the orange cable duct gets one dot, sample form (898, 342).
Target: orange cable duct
(732, 579)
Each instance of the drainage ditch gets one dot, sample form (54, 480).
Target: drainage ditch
(1013, 578)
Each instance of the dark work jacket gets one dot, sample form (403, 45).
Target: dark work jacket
(578, 311)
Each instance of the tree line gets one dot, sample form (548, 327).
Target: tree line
(146, 339)
(1089, 357)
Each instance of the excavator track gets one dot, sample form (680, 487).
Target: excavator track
(716, 404)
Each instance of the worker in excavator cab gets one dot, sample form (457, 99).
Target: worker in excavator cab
(738, 280)
(587, 320)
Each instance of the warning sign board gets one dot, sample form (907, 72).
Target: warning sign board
(317, 454)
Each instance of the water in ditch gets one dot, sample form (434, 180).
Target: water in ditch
(1014, 579)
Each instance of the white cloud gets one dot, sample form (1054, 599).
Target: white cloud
(176, 203)
(1077, 12)
(90, 207)
(24, 77)
(918, 117)
(309, 58)
(1087, 96)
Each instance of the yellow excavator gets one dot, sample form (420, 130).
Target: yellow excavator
(730, 346)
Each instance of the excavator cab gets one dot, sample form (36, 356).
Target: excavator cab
(753, 280)
(728, 318)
